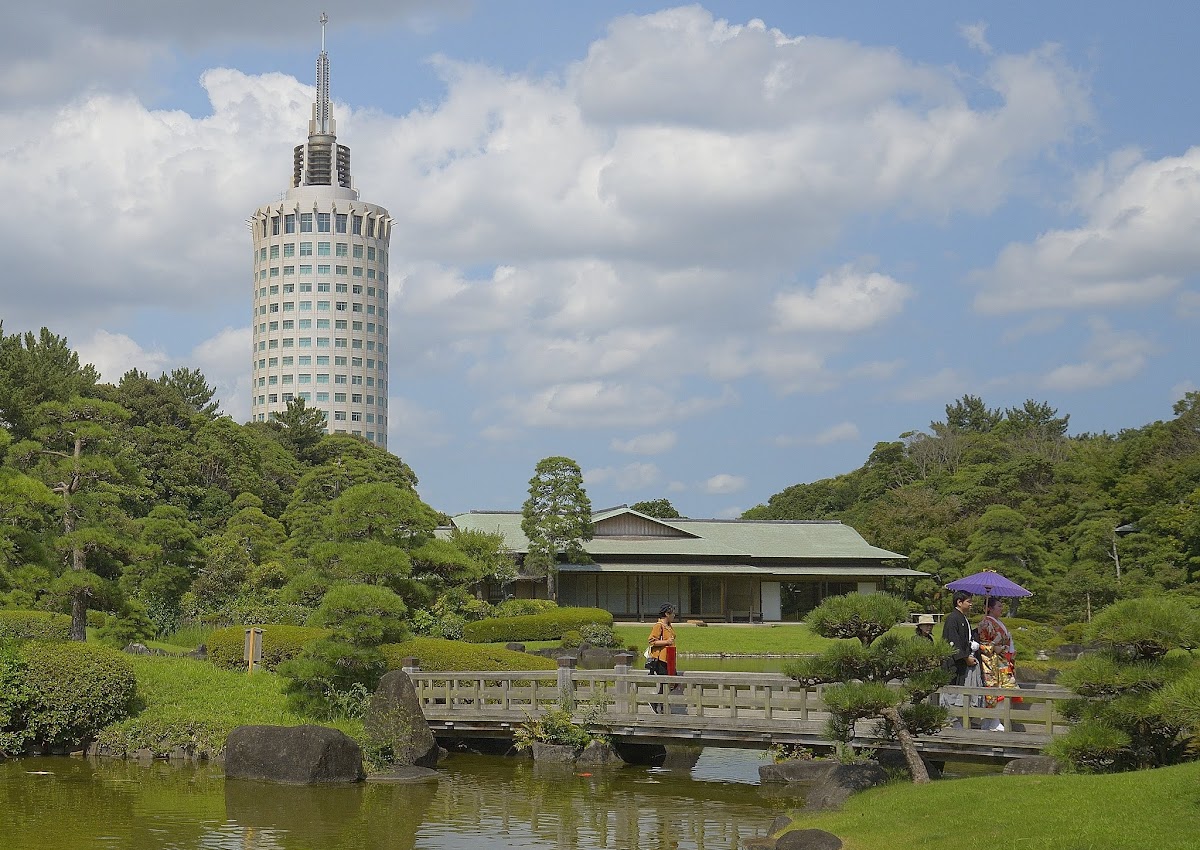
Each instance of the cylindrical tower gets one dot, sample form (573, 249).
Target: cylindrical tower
(320, 295)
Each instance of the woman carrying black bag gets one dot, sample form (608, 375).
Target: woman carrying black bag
(660, 644)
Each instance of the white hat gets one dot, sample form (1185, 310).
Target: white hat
(925, 620)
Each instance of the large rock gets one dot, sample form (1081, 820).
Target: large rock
(545, 753)
(393, 718)
(1032, 766)
(800, 770)
(841, 783)
(301, 755)
(808, 839)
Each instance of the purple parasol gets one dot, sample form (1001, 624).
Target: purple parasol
(988, 583)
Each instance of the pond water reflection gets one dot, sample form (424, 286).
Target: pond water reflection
(478, 802)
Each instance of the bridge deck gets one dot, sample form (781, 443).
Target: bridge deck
(712, 709)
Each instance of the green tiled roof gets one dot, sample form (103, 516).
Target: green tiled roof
(708, 538)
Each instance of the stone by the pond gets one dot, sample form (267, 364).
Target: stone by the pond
(808, 839)
(800, 770)
(544, 753)
(778, 825)
(405, 775)
(758, 842)
(302, 755)
(394, 718)
(841, 783)
(1032, 766)
(598, 752)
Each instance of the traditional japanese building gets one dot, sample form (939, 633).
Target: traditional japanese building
(711, 569)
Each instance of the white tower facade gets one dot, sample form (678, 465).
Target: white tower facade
(320, 320)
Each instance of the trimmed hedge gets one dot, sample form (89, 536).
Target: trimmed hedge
(226, 647)
(73, 690)
(435, 654)
(551, 625)
(34, 625)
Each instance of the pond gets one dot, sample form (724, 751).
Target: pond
(478, 802)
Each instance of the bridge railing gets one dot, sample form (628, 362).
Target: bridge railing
(747, 700)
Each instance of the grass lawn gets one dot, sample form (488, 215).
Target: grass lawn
(187, 701)
(1157, 809)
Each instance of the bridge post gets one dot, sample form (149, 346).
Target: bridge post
(409, 664)
(566, 684)
(621, 695)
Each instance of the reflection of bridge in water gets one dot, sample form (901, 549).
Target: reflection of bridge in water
(751, 710)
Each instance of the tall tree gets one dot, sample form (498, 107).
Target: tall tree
(76, 452)
(194, 390)
(300, 427)
(969, 413)
(556, 518)
(36, 369)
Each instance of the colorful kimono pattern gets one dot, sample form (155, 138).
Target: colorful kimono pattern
(996, 650)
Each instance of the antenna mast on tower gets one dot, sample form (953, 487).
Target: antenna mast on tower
(323, 109)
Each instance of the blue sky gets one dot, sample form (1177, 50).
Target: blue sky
(708, 251)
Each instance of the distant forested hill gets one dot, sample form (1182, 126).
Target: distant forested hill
(1010, 490)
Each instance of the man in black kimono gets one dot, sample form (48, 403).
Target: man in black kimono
(956, 631)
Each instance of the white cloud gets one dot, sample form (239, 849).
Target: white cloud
(222, 359)
(976, 36)
(1136, 245)
(723, 484)
(945, 383)
(731, 512)
(411, 424)
(646, 444)
(629, 478)
(840, 432)
(115, 354)
(845, 300)
(1111, 357)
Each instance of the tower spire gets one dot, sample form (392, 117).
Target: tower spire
(322, 111)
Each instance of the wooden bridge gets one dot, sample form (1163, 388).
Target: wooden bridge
(753, 710)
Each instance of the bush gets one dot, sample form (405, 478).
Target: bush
(551, 625)
(244, 610)
(571, 640)
(74, 690)
(598, 634)
(362, 614)
(226, 647)
(452, 655)
(132, 626)
(556, 726)
(524, 607)
(34, 625)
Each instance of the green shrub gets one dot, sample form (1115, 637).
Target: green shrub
(130, 627)
(226, 647)
(362, 614)
(34, 625)
(551, 625)
(598, 634)
(524, 607)
(247, 610)
(556, 726)
(571, 640)
(1073, 632)
(75, 690)
(14, 699)
(452, 655)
